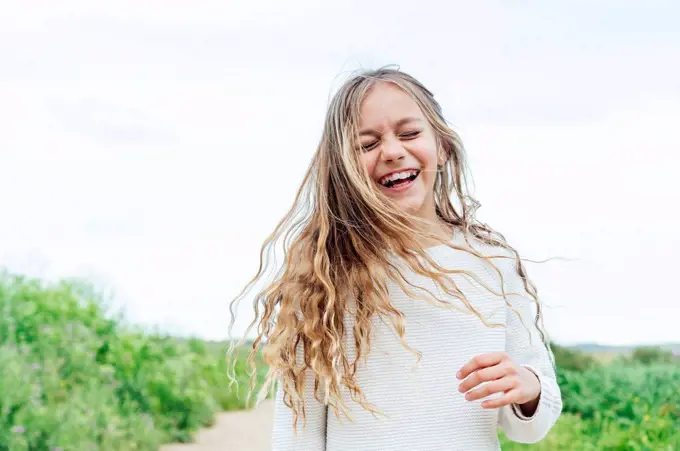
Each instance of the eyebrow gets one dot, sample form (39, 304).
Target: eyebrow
(399, 123)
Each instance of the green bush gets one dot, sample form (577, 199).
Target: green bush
(649, 354)
(570, 359)
(73, 378)
(623, 392)
(621, 406)
(573, 433)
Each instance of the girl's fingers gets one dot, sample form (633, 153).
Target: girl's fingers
(501, 385)
(507, 399)
(486, 375)
(481, 361)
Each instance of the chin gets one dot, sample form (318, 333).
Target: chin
(410, 206)
(413, 201)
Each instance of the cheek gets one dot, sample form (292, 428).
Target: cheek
(368, 159)
(427, 154)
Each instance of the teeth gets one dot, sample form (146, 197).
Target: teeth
(398, 176)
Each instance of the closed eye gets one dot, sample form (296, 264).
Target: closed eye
(411, 135)
(369, 146)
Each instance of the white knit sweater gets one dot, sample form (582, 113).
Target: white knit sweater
(423, 408)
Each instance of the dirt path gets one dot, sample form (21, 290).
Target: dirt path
(247, 430)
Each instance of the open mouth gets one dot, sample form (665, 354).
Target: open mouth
(399, 179)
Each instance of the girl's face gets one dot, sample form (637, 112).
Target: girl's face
(399, 149)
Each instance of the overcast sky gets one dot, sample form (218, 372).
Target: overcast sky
(152, 146)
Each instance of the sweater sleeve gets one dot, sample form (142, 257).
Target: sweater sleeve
(310, 432)
(525, 347)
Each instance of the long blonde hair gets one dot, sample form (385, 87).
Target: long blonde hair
(338, 240)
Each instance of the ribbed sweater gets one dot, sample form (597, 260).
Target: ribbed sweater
(423, 409)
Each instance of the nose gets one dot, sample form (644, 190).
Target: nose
(392, 150)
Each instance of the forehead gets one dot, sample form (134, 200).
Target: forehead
(387, 103)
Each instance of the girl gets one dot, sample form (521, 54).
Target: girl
(398, 321)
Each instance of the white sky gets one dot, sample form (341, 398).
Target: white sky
(152, 146)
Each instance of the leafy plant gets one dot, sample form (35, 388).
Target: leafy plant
(73, 377)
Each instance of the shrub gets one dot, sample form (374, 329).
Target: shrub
(570, 359)
(73, 378)
(649, 354)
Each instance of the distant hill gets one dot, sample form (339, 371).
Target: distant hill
(596, 348)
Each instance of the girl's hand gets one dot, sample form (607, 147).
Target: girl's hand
(520, 385)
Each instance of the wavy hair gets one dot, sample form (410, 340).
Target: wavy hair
(339, 239)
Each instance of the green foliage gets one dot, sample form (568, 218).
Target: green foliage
(569, 359)
(621, 406)
(623, 392)
(648, 354)
(573, 433)
(72, 378)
